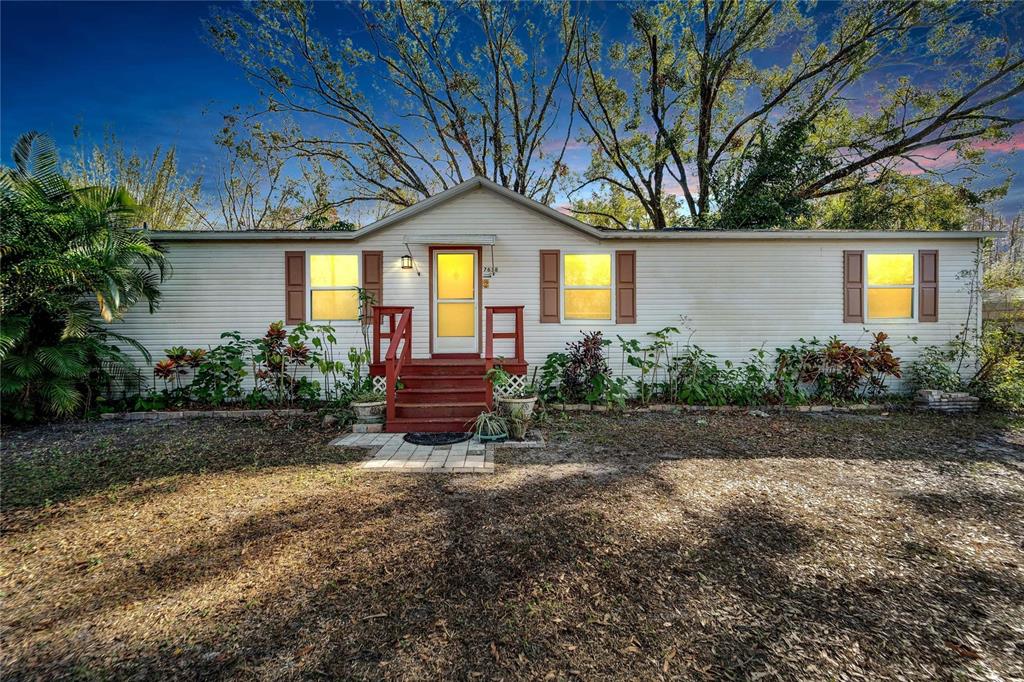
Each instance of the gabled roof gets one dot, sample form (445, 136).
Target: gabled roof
(478, 182)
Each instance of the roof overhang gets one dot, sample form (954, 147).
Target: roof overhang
(624, 235)
(458, 239)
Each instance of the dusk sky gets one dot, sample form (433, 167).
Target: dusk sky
(144, 72)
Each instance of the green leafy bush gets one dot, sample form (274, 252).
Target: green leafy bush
(219, 376)
(1000, 377)
(933, 369)
(699, 380)
(835, 371)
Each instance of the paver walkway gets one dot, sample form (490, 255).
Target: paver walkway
(392, 453)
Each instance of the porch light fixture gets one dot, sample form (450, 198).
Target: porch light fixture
(408, 263)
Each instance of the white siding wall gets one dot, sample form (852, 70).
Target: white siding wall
(737, 295)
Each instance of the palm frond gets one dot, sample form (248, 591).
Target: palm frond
(62, 397)
(12, 330)
(65, 360)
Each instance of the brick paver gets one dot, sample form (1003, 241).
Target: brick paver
(390, 452)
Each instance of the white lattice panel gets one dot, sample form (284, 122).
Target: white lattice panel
(379, 383)
(515, 383)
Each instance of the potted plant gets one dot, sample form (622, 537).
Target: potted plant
(518, 422)
(369, 406)
(490, 427)
(513, 403)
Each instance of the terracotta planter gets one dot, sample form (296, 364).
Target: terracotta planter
(516, 408)
(370, 413)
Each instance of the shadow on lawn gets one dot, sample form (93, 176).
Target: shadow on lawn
(57, 462)
(454, 577)
(902, 436)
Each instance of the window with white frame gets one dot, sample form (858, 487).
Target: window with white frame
(891, 280)
(587, 286)
(334, 287)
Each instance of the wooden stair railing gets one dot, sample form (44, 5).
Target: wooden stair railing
(399, 349)
(491, 335)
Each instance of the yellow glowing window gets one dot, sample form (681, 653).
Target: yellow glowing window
(588, 270)
(333, 271)
(588, 304)
(456, 319)
(334, 287)
(588, 286)
(335, 304)
(890, 279)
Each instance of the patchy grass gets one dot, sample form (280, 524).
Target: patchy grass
(62, 461)
(654, 546)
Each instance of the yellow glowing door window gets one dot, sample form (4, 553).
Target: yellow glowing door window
(588, 286)
(890, 279)
(455, 311)
(455, 319)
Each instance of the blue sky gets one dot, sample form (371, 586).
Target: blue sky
(144, 72)
(141, 70)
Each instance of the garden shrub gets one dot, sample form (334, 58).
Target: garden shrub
(933, 369)
(835, 372)
(649, 359)
(276, 361)
(1000, 377)
(219, 376)
(549, 385)
(585, 361)
(698, 379)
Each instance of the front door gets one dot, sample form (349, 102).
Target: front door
(456, 293)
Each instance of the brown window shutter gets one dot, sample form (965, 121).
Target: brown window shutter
(928, 286)
(294, 287)
(373, 280)
(853, 286)
(549, 285)
(625, 287)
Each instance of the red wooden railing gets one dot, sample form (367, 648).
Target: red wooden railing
(399, 348)
(491, 335)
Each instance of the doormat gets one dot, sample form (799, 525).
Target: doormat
(443, 438)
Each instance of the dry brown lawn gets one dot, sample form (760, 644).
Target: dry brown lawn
(641, 547)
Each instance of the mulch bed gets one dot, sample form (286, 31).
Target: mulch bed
(662, 546)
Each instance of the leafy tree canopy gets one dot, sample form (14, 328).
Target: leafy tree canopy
(686, 106)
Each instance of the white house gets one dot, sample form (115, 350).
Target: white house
(479, 251)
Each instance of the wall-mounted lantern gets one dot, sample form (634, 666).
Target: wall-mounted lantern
(407, 262)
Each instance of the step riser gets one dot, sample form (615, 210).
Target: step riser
(442, 370)
(471, 383)
(465, 412)
(477, 395)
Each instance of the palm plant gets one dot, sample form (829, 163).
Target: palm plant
(61, 246)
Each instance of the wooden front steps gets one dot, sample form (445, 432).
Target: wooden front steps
(439, 395)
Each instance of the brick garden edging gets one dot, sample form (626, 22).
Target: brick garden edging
(207, 414)
(583, 407)
(946, 401)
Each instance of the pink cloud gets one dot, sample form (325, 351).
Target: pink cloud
(937, 157)
(1013, 144)
(928, 159)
